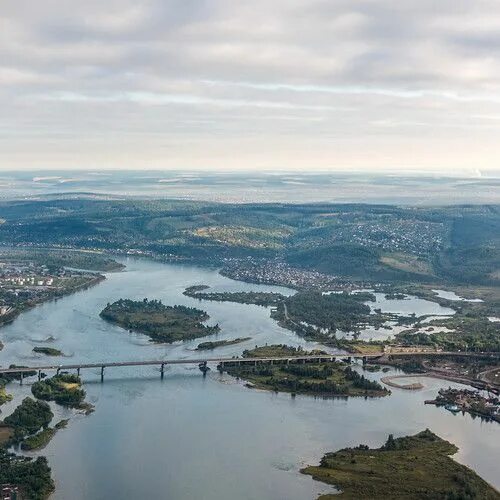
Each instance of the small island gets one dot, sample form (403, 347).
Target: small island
(160, 322)
(326, 379)
(65, 389)
(256, 298)
(412, 467)
(48, 351)
(208, 346)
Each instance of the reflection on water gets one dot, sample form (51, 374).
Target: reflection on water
(192, 437)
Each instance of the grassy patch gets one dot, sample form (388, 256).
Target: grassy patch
(407, 263)
(411, 468)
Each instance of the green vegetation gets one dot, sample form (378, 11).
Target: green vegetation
(4, 397)
(64, 389)
(161, 323)
(54, 259)
(204, 346)
(278, 350)
(49, 351)
(42, 438)
(257, 298)
(29, 417)
(325, 379)
(32, 475)
(457, 244)
(39, 440)
(311, 314)
(413, 467)
(469, 329)
(314, 314)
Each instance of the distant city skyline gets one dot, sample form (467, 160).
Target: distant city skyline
(294, 85)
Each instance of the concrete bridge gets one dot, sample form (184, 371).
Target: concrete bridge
(222, 362)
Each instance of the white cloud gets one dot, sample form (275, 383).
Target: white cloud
(302, 83)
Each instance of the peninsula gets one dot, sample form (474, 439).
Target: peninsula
(412, 467)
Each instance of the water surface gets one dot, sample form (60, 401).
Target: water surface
(192, 437)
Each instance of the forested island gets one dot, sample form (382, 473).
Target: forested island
(48, 351)
(257, 298)
(412, 467)
(207, 346)
(160, 322)
(329, 379)
(65, 389)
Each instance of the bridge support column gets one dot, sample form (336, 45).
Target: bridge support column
(162, 370)
(102, 374)
(39, 375)
(78, 371)
(364, 360)
(203, 368)
(57, 371)
(21, 379)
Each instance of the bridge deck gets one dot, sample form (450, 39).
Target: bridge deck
(317, 358)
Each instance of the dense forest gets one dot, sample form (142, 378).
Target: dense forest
(378, 242)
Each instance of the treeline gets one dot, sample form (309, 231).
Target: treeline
(330, 312)
(257, 298)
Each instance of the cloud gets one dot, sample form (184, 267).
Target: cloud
(320, 81)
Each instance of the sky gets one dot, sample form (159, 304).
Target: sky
(303, 85)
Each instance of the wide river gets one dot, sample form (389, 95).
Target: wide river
(188, 437)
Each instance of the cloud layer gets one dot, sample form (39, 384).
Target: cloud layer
(224, 84)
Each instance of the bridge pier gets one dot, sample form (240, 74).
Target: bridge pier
(57, 371)
(162, 370)
(204, 368)
(78, 371)
(39, 375)
(21, 379)
(102, 374)
(364, 360)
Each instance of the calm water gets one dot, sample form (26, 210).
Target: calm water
(188, 437)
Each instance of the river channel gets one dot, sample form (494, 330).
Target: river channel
(187, 436)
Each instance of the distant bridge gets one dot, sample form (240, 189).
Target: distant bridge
(222, 362)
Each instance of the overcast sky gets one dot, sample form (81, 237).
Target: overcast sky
(266, 84)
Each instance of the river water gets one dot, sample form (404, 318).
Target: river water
(188, 437)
